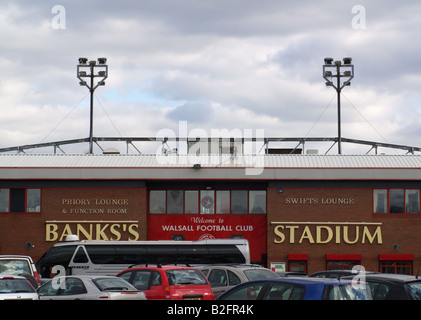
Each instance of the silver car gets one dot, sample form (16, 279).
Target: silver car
(89, 287)
(20, 266)
(224, 277)
(14, 287)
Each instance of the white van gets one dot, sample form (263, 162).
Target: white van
(111, 257)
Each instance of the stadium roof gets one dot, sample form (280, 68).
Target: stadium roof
(179, 167)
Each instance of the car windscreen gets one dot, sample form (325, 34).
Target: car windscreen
(15, 286)
(13, 266)
(113, 284)
(347, 292)
(414, 289)
(259, 274)
(178, 277)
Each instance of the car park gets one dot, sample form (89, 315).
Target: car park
(20, 265)
(386, 286)
(14, 287)
(169, 282)
(300, 288)
(224, 277)
(89, 287)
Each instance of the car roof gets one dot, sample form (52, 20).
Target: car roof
(235, 266)
(343, 272)
(391, 277)
(87, 276)
(309, 281)
(159, 267)
(13, 256)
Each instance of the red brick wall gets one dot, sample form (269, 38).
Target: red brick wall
(76, 204)
(321, 205)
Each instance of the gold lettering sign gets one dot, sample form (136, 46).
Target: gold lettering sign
(325, 201)
(95, 206)
(92, 230)
(327, 232)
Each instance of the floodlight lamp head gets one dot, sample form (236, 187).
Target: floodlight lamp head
(102, 60)
(83, 60)
(338, 63)
(328, 60)
(347, 60)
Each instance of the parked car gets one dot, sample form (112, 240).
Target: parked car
(89, 287)
(16, 288)
(338, 273)
(300, 288)
(20, 265)
(224, 277)
(386, 286)
(169, 282)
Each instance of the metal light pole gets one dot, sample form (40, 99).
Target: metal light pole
(87, 69)
(343, 74)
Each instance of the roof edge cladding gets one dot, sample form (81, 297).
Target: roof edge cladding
(181, 167)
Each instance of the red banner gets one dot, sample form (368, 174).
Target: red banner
(197, 227)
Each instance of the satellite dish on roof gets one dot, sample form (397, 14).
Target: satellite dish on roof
(71, 237)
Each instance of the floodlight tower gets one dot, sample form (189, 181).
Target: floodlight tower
(92, 70)
(344, 73)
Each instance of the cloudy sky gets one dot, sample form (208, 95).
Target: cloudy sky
(215, 65)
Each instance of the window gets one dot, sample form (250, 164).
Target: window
(175, 203)
(191, 201)
(257, 202)
(17, 200)
(218, 278)
(342, 261)
(284, 291)
(396, 263)
(4, 200)
(396, 200)
(20, 200)
(380, 200)
(73, 286)
(206, 201)
(157, 201)
(239, 201)
(223, 201)
(297, 262)
(412, 201)
(33, 200)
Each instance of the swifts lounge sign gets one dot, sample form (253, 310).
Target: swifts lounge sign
(327, 232)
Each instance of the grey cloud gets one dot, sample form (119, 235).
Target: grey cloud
(192, 112)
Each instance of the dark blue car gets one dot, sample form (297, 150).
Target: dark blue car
(300, 288)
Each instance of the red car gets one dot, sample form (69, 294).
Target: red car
(169, 282)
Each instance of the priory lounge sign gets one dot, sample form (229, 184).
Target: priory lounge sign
(75, 211)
